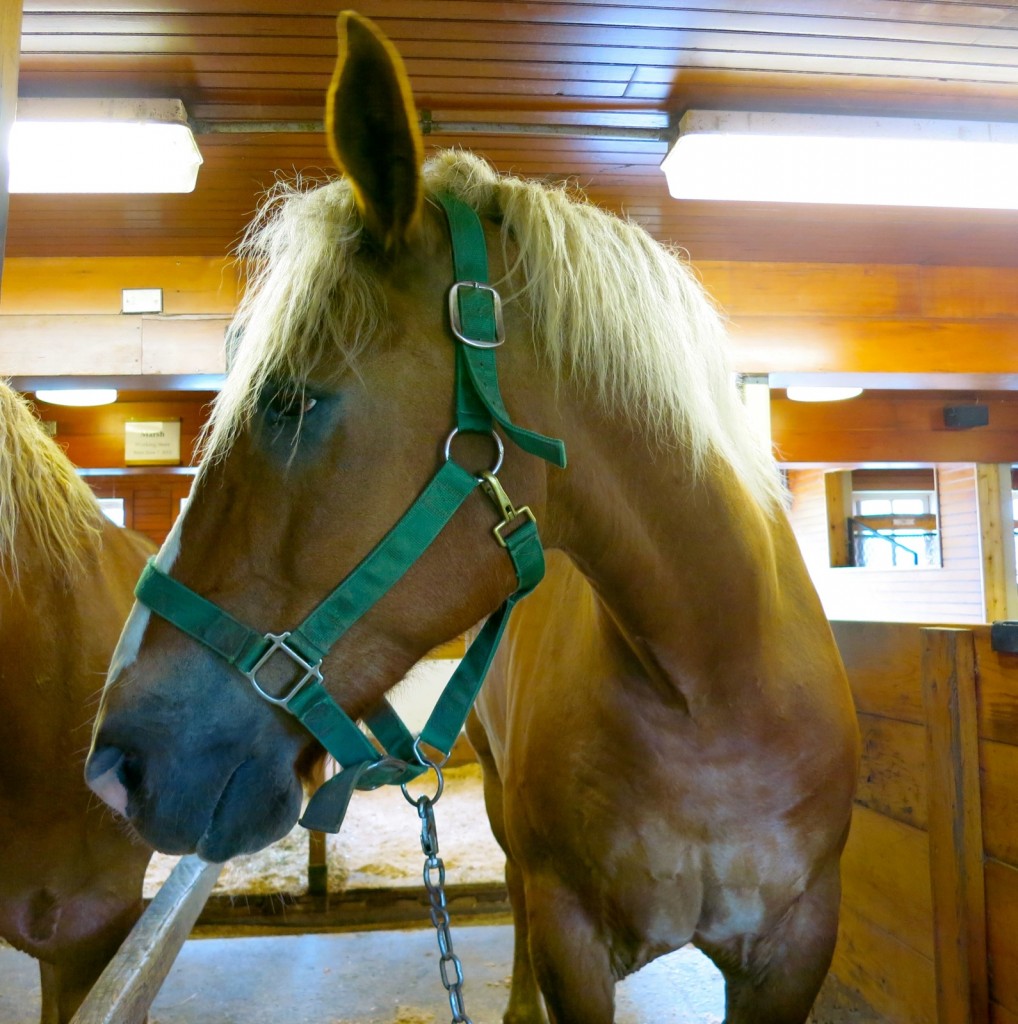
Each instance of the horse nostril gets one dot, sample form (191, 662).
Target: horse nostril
(100, 761)
(113, 775)
(130, 772)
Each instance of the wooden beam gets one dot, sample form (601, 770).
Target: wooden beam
(75, 286)
(996, 531)
(838, 488)
(906, 345)
(10, 53)
(954, 817)
(125, 990)
(112, 345)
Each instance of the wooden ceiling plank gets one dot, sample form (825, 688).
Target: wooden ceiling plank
(977, 12)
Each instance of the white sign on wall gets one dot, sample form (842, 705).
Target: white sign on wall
(152, 443)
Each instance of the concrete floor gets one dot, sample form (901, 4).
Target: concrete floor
(369, 978)
(387, 977)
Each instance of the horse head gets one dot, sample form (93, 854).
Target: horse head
(337, 412)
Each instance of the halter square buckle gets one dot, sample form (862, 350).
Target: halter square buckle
(311, 672)
(456, 320)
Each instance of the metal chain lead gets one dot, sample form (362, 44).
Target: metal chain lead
(434, 883)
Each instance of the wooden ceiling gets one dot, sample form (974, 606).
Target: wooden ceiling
(586, 64)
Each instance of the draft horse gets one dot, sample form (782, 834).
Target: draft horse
(70, 874)
(668, 740)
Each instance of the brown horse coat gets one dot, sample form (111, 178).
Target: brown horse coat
(70, 873)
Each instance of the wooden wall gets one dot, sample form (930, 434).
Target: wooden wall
(868, 318)
(929, 925)
(94, 437)
(10, 38)
(151, 500)
(952, 593)
(894, 321)
(94, 440)
(893, 426)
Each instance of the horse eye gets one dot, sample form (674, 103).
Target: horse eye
(290, 404)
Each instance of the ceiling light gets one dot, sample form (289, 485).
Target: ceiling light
(68, 145)
(820, 158)
(800, 393)
(77, 396)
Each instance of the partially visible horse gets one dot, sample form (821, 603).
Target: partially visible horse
(70, 874)
(669, 743)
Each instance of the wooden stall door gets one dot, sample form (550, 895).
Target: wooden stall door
(929, 930)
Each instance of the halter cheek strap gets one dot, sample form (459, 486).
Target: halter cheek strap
(475, 320)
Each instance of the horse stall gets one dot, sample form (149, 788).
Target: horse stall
(929, 917)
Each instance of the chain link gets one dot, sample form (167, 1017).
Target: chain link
(449, 966)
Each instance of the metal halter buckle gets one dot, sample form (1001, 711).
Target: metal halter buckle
(311, 672)
(457, 322)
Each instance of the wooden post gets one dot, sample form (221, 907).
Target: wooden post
(996, 533)
(756, 396)
(838, 488)
(318, 865)
(954, 820)
(125, 990)
(10, 52)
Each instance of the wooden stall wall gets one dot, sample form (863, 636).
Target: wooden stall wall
(94, 441)
(952, 593)
(929, 927)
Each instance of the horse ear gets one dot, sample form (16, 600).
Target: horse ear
(371, 124)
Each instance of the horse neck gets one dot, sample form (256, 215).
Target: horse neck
(685, 563)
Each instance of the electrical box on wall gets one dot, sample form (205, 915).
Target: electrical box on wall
(963, 417)
(141, 300)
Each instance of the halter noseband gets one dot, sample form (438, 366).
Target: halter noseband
(476, 321)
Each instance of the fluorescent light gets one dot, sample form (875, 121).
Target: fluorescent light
(77, 396)
(93, 146)
(801, 393)
(820, 158)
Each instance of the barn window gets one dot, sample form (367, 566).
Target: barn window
(884, 519)
(113, 509)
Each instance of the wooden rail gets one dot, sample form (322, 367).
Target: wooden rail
(125, 990)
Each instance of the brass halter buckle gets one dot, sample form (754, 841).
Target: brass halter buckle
(312, 672)
(501, 500)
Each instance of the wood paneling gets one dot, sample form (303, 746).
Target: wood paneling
(61, 286)
(893, 426)
(112, 345)
(594, 63)
(10, 33)
(94, 438)
(151, 500)
(887, 863)
(919, 301)
(952, 593)
(955, 824)
(1002, 900)
(892, 781)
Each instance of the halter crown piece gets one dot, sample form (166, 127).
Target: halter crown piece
(476, 320)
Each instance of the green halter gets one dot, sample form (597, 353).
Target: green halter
(476, 321)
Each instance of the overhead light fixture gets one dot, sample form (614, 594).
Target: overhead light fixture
(101, 145)
(77, 396)
(822, 158)
(802, 393)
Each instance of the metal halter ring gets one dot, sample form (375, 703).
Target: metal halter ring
(498, 444)
(432, 765)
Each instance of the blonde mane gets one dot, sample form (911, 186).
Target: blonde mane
(42, 500)
(613, 309)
